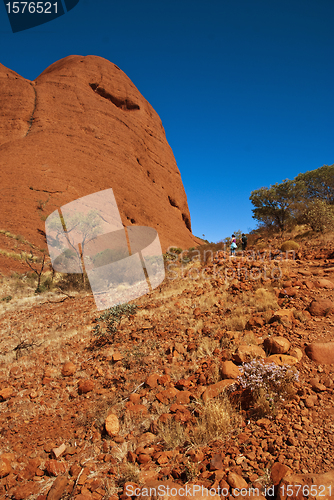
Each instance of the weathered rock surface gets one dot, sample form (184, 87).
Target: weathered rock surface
(276, 345)
(321, 307)
(322, 486)
(321, 352)
(82, 126)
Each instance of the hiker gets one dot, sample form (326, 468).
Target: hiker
(233, 245)
(244, 242)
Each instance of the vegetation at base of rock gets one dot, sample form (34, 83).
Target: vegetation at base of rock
(289, 245)
(111, 318)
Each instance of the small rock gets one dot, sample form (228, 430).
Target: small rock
(321, 352)
(143, 458)
(316, 386)
(152, 381)
(59, 451)
(296, 353)
(323, 283)
(112, 425)
(135, 398)
(236, 481)
(117, 356)
(278, 471)
(85, 386)
(229, 370)
(5, 467)
(68, 369)
(6, 393)
(216, 462)
(310, 401)
(57, 489)
(246, 353)
(281, 359)
(55, 468)
(321, 307)
(276, 345)
(214, 390)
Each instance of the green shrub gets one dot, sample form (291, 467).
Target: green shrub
(175, 250)
(320, 216)
(6, 299)
(111, 318)
(289, 245)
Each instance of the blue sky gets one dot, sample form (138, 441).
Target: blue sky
(244, 88)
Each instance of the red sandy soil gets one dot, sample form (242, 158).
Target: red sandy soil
(83, 418)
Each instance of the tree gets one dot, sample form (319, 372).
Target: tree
(307, 198)
(79, 227)
(320, 216)
(275, 206)
(317, 184)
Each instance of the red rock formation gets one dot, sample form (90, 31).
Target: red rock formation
(81, 127)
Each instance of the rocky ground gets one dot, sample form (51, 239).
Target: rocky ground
(84, 416)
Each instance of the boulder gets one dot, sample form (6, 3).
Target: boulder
(229, 370)
(246, 353)
(321, 352)
(212, 391)
(276, 345)
(281, 359)
(321, 307)
(318, 486)
(323, 283)
(82, 126)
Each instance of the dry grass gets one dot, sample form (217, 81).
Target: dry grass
(238, 319)
(172, 433)
(262, 300)
(249, 339)
(217, 420)
(206, 347)
(129, 474)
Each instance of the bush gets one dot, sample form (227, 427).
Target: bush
(73, 282)
(111, 318)
(320, 216)
(269, 384)
(289, 245)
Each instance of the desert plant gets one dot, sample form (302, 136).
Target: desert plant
(111, 318)
(172, 433)
(7, 299)
(269, 384)
(217, 419)
(128, 473)
(38, 272)
(320, 216)
(289, 245)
